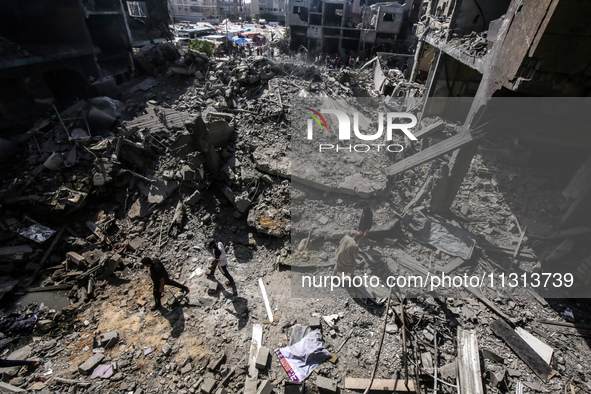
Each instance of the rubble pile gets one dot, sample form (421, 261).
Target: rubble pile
(473, 44)
(201, 148)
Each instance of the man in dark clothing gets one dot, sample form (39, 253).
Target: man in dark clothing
(366, 220)
(160, 278)
(219, 253)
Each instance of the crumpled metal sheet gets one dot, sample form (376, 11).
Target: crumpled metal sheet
(37, 233)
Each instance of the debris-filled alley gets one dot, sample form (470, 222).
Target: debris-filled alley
(199, 158)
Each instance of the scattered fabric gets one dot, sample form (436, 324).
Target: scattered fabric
(300, 359)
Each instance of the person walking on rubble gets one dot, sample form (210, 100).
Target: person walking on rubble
(221, 260)
(365, 222)
(347, 255)
(366, 219)
(160, 278)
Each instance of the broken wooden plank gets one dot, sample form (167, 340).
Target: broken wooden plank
(488, 303)
(380, 385)
(469, 375)
(507, 251)
(64, 286)
(406, 261)
(452, 265)
(443, 147)
(564, 324)
(545, 351)
(250, 386)
(522, 349)
(266, 301)
(538, 297)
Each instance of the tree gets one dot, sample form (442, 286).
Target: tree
(203, 46)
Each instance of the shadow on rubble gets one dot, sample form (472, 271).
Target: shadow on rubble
(176, 318)
(240, 310)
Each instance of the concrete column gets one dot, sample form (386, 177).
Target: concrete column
(416, 59)
(433, 71)
(450, 179)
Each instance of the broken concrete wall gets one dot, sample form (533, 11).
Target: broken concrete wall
(389, 19)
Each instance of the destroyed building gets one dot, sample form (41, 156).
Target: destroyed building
(192, 146)
(346, 27)
(476, 50)
(212, 11)
(269, 10)
(40, 60)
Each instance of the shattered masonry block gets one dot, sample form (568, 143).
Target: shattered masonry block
(314, 322)
(137, 243)
(262, 357)
(326, 385)
(208, 385)
(242, 203)
(193, 198)
(216, 363)
(265, 387)
(186, 369)
(212, 286)
(109, 339)
(89, 365)
(166, 349)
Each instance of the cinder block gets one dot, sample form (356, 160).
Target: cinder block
(213, 286)
(108, 339)
(314, 322)
(89, 365)
(262, 357)
(326, 385)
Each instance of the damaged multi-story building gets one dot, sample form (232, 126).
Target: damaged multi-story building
(213, 11)
(270, 10)
(490, 53)
(339, 26)
(56, 50)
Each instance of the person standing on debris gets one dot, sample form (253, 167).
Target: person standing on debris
(221, 260)
(160, 278)
(365, 221)
(347, 255)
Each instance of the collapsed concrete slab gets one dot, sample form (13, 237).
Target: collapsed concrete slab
(271, 161)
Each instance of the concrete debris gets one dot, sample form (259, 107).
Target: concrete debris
(200, 146)
(90, 364)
